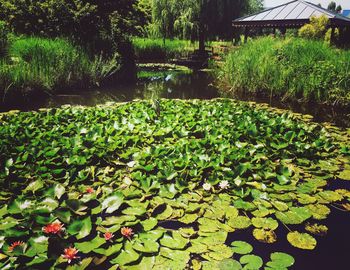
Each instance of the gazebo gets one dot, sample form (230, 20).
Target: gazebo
(294, 14)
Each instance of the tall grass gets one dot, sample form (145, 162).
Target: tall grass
(49, 65)
(155, 50)
(291, 68)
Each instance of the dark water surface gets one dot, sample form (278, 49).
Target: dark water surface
(178, 85)
(332, 251)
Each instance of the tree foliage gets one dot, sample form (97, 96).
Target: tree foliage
(183, 18)
(87, 21)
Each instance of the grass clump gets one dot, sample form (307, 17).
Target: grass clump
(49, 65)
(292, 68)
(147, 49)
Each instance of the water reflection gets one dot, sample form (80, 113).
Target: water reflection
(176, 84)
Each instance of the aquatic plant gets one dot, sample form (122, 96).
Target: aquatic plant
(291, 69)
(147, 169)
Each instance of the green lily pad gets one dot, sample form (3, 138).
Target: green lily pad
(126, 256)
(251, 262)
(265, 223)
(301, 240)
(176, 241)
(280, 260)
(239, 222)
(241, 247)
(295, 215)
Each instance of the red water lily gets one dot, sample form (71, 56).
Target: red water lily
(108, 236)
(53, 228)
(14, 245)
(127, 232)
(90, 190)
(70, 254)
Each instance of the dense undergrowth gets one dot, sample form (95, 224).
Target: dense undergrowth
(49, 66)
(153, 50)
(106, 180)
(291, 68)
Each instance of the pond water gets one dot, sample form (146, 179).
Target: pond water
(178, 84)
(332, 250)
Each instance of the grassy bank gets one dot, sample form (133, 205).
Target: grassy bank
(49, 65)
(293, 69)
(147, 49)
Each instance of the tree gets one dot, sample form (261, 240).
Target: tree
(332, 6)
(338, 9)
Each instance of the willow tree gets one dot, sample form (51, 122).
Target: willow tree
(200, 19)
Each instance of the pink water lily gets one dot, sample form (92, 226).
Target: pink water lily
(70, 254)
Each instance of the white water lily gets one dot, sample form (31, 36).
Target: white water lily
(131, 164)
(207, 186)
(224, 184)
(238, 182)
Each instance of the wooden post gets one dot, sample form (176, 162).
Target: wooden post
(246, 34)
(283, 31)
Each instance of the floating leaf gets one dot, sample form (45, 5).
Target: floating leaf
(251, 262)
(301, 240)
(295, 215)
(265, 236)
(176, 241)
(239, 222)
(241, 247)
(316, 229)
(126, 256)
(89, 246)
(112, 203)
(280, 260)
(319, 211)
(265, 223)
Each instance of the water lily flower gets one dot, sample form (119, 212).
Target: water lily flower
(224, 184)
(127, 232)
(89, 190)
(207, 186)
(53, 228)
(14, 245)
(70, 254)
(131, 164)
(108, 236)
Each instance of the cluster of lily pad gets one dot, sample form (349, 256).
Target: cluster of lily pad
(164, 185)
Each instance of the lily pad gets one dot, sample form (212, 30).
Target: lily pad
(241, 247)
(301, 240)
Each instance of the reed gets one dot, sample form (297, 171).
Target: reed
(291, 68)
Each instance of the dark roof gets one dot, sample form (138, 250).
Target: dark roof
(292, 14)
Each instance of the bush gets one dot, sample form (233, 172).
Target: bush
(293, 68)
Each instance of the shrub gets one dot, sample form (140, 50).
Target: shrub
(292, 68)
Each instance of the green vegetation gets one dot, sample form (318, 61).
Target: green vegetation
(49, 65)
(291, 68)
(154, 50)
(114, 176)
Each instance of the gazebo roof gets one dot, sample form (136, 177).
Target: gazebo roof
(293, 14)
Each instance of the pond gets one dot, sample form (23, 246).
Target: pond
(331, 251)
